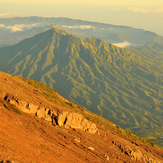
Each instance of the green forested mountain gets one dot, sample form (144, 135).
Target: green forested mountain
(154, 50)
(123, 86)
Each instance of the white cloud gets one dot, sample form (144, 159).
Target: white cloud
(8, 14)
(19, 27)
(79, 27)
(122, 44)
(143, 10)
(139, 10)
(2, 25)
(86, 27)
(14, 28)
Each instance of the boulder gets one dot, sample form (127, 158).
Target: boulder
(7, 161)
(77, 140)
(91, 148)
(41, 113)
(62, 118)
(23, 105)
(76, 121)
(107, 157)
(46, 114)
(33, 108)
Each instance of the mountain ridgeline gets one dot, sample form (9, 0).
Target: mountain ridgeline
(124, 87)
(29, 26)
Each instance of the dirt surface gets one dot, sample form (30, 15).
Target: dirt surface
(25, 138)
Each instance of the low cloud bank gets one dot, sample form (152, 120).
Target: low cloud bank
(79, 27)
(122, 44)
(8, 14)
(146, 10)
(18, 27)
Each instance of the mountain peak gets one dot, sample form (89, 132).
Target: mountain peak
(104, 78)
(57, 29)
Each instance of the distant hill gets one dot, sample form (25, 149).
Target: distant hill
(13, 30)
(125, 87)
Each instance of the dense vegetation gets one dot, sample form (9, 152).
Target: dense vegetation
(125, 87)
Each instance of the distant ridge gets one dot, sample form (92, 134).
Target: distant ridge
(108, 32)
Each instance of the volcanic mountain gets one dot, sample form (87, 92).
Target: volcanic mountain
(123, 86)
(39, 125)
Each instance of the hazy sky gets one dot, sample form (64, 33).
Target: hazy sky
(144, 14)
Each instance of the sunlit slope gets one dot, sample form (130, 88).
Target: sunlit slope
(126, 88)
(154, 51)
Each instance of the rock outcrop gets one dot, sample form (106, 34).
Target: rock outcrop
(61, 118)
(7, 161)
(75, 120)
(135, 154)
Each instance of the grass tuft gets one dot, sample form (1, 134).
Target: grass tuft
(11, 107)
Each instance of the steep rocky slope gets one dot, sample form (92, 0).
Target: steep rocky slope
(39, 125)
(123, 86)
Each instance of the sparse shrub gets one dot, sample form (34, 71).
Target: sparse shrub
(68, 103)
(11, 107)
(100, 114)
(118, 127)
(151, 143)
(42, 130)
(129, 132)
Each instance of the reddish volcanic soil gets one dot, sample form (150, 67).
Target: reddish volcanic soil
(25, 138)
